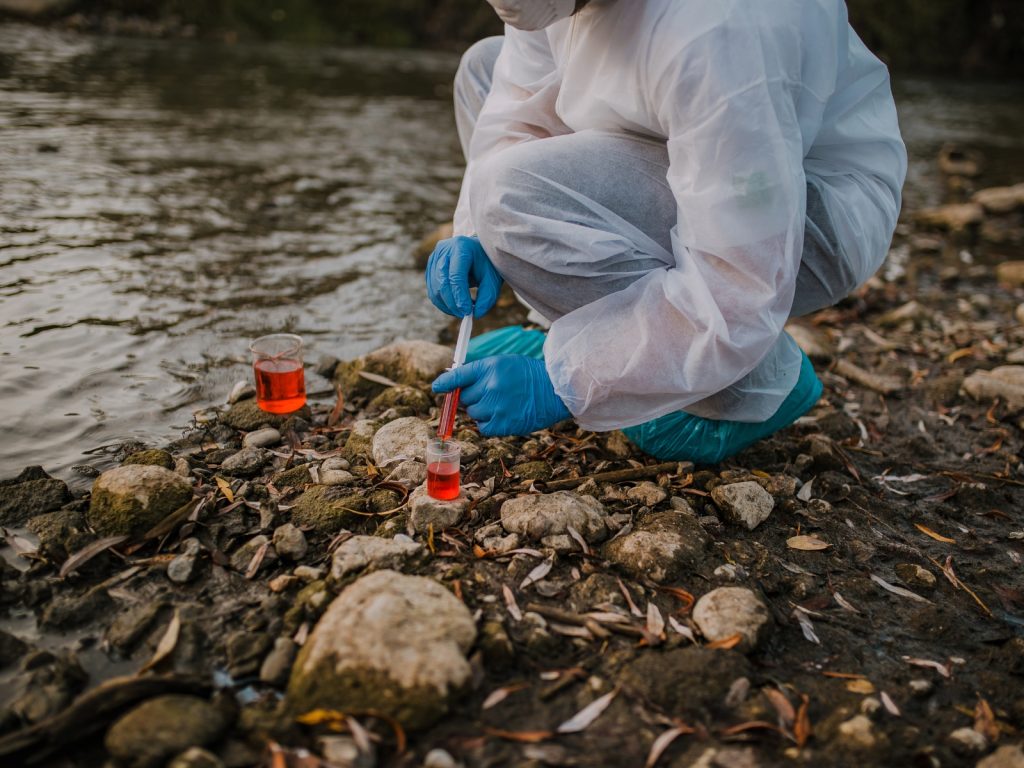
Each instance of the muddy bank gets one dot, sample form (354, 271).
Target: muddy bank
(279, 590)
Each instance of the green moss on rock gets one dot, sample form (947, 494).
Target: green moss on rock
(327, 508)
(60, 533)
(295, 477)
(129, 500)
(353, 689)
(247, 416)
(384, 500)
(416, 400)
(156, 458)
(31, 493)
(534, 470)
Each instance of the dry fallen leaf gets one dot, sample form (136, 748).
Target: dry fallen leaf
(86, 554)
(985, 721)
(863, 687)
(889, 704)
(511, 604)
(582, 719)
(167, 643)
(663, 742)
(537, 573)
(526, 737)
(802, 726)
(807, 543)
(726, 642)
(787, 715)
(898, 590)
(937, 536)
(225, 488)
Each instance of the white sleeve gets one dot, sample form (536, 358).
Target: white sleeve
(726, 100)
(520, 107)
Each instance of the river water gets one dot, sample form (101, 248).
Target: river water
(163, 202)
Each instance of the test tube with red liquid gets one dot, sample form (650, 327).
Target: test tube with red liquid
(443, 458)
(446, 425)
(277, 368)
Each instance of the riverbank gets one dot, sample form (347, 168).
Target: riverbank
(849, 592)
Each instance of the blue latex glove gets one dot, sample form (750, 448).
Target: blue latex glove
(506, 394)
(456, 265)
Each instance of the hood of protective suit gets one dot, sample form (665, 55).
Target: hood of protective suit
(530, 15)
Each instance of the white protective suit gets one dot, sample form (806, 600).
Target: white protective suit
(643, 173)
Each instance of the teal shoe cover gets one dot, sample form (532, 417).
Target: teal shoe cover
(683, 437)
(512, 340)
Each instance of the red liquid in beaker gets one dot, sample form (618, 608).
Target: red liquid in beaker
(443, 481)
(280, 385)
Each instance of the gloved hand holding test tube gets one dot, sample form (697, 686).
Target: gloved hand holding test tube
(451, 400)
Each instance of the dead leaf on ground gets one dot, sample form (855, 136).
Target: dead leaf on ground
(725, 643)
(84, 555)
(889, 704)
(582, 719)
(663, 742)
(937, 536)
(985, 721)
(807, 543)
(498, 695)
(524, 737)
(167, 643)
(538, 573)
(898, 590)
(802, 727)
(860, 686)
(225, 488)
(785, 711)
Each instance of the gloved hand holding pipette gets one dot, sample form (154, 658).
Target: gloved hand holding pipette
(506, 394)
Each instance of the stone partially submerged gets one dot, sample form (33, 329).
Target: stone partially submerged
(389, 642)
(131, 499)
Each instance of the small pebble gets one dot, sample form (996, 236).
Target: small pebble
(181, 569)
(261, 438)
(967, 741)
(335, 462)
(336, 477)
(308, 573)
(283, 582)
(290, 542)
(278, 663)
(439, 758)
(921, 687)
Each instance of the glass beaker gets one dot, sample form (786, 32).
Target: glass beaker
(443, 458)
(277, 366)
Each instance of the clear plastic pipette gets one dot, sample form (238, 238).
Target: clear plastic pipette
(451, 400)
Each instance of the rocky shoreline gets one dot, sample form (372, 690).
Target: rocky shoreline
(280, 590)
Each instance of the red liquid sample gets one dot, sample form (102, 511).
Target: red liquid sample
(447, 424)
(443, 481)
(280, 385)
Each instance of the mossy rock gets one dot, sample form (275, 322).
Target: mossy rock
(154, 457)
(403, 398)
(327, 509)
(247, 416)
(295, 477)
(413, 363)
(534, 470)
(129, 500)
(31, 493)
(384, 500)
(392, 525)
(360, 441)
(60, 533)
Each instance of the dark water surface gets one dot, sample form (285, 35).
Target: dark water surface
(163, 202)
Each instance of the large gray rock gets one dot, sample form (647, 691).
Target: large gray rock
(409, 473)
(662, 547)
(31, 493)
(162, 727)
(551, 514)
(425, 511)
(744, 503)
(371, 553)
(412, 668)
(726, 611)
(400, 440)
(132, 499)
